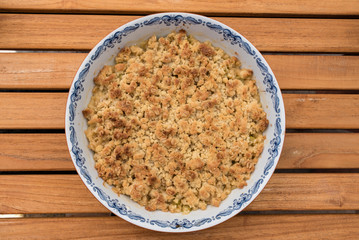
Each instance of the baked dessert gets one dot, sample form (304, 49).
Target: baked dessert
(175, 124)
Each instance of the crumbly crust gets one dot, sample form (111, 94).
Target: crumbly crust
(176, 124)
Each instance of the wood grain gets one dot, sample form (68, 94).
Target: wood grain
(34, 152)
(39, 70)
(67, 193)
(269, 29)
(320, 150)
(32, 110)
(32, 31)
(308, 192)
(46, 194)
(322, 110)
(325, 72)
(289, 226)
(48, 152)
(213, 7)
(56, 71)
(47, 110)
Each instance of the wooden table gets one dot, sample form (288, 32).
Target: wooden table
(312, 47)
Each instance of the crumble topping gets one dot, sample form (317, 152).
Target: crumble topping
(176, 124)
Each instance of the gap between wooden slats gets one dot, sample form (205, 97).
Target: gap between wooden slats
(32, 31)
(48, 152)
(47, 111)
(67, 193)
(213, 7)
(57, 70)
(319, 226)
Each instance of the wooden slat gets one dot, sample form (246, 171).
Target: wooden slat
(29, 31)
(32, 110)
(315, 72)
(320, 150)
(322, 110)
(318, 226)
(56, 71)
(48, 152)
(34, 152)
(39, 70)
(47, 110)
(67, 194)
(309, 192)
(251, 7)
(46, 194)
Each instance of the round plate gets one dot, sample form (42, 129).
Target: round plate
(203, 29)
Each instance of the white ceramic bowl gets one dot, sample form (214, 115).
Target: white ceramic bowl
(203, 29)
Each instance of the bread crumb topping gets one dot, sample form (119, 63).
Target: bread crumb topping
(176, 125)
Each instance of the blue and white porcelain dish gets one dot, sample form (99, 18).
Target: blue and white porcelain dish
(203, 29)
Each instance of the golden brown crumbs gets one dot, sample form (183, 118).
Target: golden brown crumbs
(176, 125)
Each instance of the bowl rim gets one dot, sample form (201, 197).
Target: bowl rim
(276, 143)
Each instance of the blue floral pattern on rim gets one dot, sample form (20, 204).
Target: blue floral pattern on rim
(233, 39)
